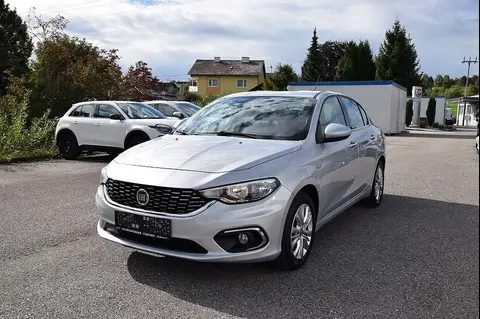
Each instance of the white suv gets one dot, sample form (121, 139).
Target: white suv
(108, 126)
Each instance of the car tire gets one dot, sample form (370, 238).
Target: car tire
(68, 146)
(288, 260)
(138, 139)
(375, 197)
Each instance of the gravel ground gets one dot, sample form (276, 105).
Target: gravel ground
(417, 256)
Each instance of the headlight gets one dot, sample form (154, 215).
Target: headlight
(103, 175)
(244, 192)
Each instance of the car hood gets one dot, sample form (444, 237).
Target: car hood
(206, 153)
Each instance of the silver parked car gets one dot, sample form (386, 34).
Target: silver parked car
(174, 109)
(249, 178)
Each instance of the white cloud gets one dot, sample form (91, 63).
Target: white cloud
(171, 34)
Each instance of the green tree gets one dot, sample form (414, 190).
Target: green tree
(331, 52)
(15, 46)
(472, 89)
(397, 59)
(311, 68)
(454, 91)
(436, 91)
(69, 70)
(279, 79)
(427, 82)
(438, 82)
(409, 113)
(357, 63)
(431, 110)
(448, 82)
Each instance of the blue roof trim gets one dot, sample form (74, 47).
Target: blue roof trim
(348, 83)
(429, 96)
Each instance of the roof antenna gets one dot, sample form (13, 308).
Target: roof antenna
(318, 78)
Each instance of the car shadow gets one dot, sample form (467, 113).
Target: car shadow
(408, 258)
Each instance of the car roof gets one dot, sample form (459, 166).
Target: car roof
(302, 93)
(157, 101)
(105, 101)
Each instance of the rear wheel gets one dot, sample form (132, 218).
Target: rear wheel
(376, 195)
(135, 140)
(68, 147)
(298, 234)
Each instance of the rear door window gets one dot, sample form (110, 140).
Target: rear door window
(88, 110)
(354, 114)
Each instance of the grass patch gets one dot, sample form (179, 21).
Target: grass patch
(30, 154)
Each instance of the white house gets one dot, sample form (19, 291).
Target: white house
(471, 110)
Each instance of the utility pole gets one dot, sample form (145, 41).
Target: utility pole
(469, 61)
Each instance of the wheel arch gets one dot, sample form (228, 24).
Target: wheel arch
(312, 192)
(382, 159)
(65, 131)
(133, 134)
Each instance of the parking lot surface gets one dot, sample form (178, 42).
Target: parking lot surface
(416, 256)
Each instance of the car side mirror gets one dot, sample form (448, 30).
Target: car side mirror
(178, 115)
(164, 129)
(334, 132)
(118, 117)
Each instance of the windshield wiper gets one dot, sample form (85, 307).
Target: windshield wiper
(225, 133)
(182, 132)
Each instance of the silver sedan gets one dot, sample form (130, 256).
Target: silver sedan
(251, 177)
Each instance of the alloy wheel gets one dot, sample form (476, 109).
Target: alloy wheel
(66, 146)
(379, 183)
(301, 232)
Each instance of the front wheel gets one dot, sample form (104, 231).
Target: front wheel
(376, 194)
(298, 234)
(136, 140)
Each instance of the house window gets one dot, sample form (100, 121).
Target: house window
(241, 83)
(212, 83)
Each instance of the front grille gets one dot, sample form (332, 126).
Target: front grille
(162, 199)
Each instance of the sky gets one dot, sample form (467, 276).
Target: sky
(171, 34)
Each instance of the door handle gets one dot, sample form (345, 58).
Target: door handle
(75, 122)
(352, 144)
(98, 124)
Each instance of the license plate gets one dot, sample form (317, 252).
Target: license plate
(152, 227)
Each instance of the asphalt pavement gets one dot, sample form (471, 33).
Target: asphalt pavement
(416, 256)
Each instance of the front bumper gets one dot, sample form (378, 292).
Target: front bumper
(201, 226)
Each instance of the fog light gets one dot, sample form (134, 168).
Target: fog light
(243, 238)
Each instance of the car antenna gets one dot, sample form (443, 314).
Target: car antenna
(318, 78)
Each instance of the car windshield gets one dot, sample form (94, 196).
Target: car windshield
(140, 111)
(267, 117)
(188, 108)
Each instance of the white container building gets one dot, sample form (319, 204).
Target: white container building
(384, 101)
